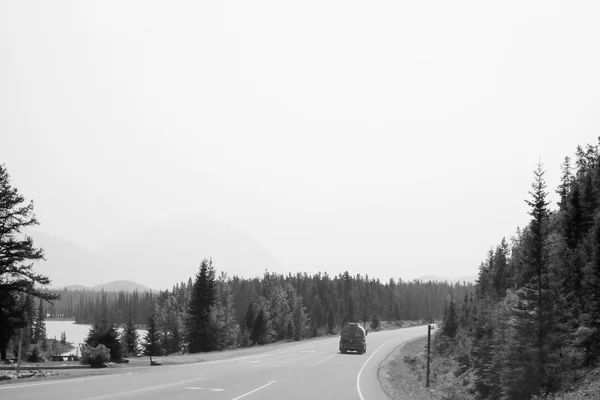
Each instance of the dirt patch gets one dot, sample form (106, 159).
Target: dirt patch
(398, 379)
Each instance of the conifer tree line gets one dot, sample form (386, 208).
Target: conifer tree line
(533, 324)
(206, 313)
(89, 307)
(213, 313)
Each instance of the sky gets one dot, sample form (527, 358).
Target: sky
(394, 138)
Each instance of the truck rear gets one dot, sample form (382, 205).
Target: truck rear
(353, 338)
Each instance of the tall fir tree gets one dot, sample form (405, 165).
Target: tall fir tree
(17, 254)
(152, 339)
(199, 331)
(40, 324)
(130, 337)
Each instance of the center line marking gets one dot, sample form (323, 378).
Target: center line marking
(255, 390)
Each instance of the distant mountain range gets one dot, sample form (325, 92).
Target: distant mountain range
(157, 256)
(115, 286)
(468, 279)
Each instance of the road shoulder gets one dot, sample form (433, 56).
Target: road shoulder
(397, 379)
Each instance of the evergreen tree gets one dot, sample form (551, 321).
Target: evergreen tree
(450, 321)
(152, 340)
(105, 333)
(200, 334)
(566, 181)
(259, 328)
(130, 337)
(40, 324)
(17, 254)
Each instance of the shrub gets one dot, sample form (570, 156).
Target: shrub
(35, 355)
(94, 355)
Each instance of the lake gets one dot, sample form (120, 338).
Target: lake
(76, 333)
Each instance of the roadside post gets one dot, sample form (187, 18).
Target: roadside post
(20, 346)
(429, 328)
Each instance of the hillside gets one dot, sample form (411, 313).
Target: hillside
(157, 256)
(67, 263)
(125, 286)
(164, 253)
(114, 286)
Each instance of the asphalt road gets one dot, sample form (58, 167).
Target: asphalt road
(310, 370)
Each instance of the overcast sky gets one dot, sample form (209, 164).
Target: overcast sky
(395, 138)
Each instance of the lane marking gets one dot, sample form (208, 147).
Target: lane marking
(194, 388)
(57, 382)
(327, 359)
(215, 389)
(135, 391)
(361, 370)
(255, 390)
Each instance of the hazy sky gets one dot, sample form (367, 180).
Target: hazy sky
(395, 138)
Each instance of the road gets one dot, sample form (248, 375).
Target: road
(310, 370)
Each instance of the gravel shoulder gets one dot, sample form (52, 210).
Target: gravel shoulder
(396, 377)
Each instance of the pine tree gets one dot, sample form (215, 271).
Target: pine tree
(450, 321)
(40, 324)
(566, 181)
(152, 340)
(200, 334)
(130, 337)
(105, 333)
(534, 314)
(17, 254)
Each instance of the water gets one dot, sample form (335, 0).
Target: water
(76, 333)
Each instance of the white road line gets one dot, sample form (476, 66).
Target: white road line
(361, 370)
(57, 382)
(142, 390)
(255, 390)
(328, 358)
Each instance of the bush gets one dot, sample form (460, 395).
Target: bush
(94, 355)
(35, 355)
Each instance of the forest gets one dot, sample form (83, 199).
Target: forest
(319, 303)
(532, 327)
(208, 312)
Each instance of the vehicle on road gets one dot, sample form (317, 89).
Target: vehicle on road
(354, 338)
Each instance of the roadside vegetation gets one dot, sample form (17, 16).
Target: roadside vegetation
(210, 312)
(531, 328)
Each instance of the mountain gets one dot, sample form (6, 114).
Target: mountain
(156, 256)
(67, 263)
(117, 286)
(468, 279)
(165, 253)
(77, 287)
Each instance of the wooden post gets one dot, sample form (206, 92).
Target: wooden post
(19, 355)
(428, 352)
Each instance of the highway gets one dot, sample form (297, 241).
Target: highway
(309, 370)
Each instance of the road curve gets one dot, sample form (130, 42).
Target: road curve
(314, 370)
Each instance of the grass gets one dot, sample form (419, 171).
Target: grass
(400, 376)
